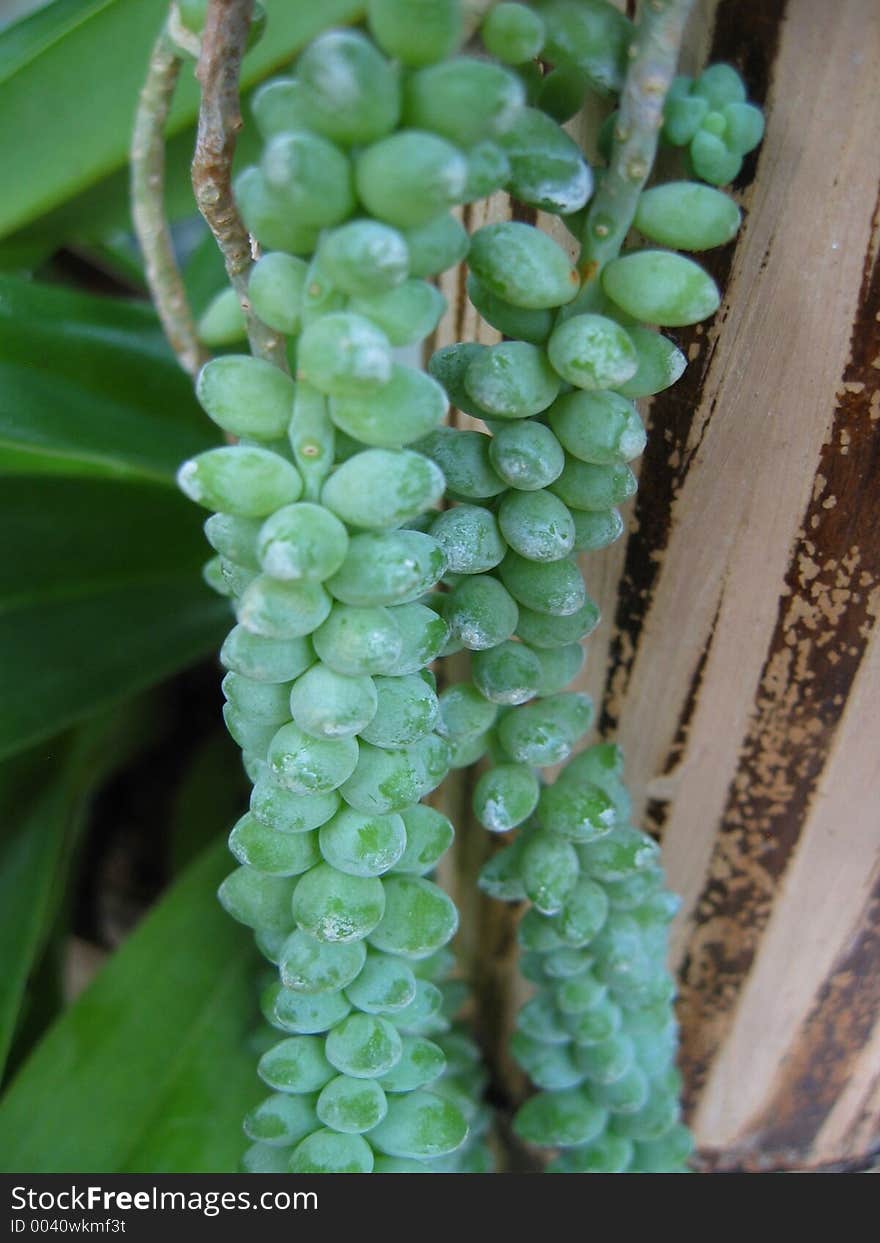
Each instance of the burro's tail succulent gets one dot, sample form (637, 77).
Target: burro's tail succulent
(361, 541)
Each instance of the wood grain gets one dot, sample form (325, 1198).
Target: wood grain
(738, 661)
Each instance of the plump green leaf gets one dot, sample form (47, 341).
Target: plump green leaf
(43, 797)
(112, 402)
(149, 1071)
(54, 150)
(103, 598)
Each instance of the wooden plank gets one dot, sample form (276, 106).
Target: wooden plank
(735, 661)
(742, 626)
(806, 1012)
(854, 1123)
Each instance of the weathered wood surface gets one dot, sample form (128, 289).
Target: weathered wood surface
(738, 662)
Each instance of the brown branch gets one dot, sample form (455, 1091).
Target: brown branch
(223, 43)
(148, 207)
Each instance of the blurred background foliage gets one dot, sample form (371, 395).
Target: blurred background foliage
(127, 997)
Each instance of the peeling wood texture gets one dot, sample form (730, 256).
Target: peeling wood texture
(739, 661)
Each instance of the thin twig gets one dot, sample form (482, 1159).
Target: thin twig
(148, 207)
(219, 66)
(653, 61)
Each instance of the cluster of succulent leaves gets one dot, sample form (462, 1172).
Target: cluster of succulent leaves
(105, 620)
(348, 582)
(331, 545)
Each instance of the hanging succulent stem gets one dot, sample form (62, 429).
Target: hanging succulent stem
(315, 627)
(488, 947)
(486, 944)
(653, 60)
(148, 208)
(219, 65)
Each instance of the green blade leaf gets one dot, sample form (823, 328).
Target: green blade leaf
(30, 860)
(25, 39)
(113, 403)
(210, 797)
(204, 273)
(41, 813)
(103, 599)
(55, 150)
(104, 209)
(149, 1070)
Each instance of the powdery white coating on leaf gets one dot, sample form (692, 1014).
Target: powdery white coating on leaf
(188, 481)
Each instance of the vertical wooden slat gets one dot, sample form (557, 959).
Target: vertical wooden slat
(853, 1124)
(745, 607)
(777, 1076)
(737, 661)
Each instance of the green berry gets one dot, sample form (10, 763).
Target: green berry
(364, 257)
(307, 765)
(661, 363)
(327, 704)
(389, 568)
(351, 1106)
(385, 985)
(470, 538)
(537, 525)
(599, 427)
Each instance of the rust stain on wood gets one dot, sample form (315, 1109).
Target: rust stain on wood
(656, 811)
(821, 629)
(746, 34)
(832, 1038)
(829, 605)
